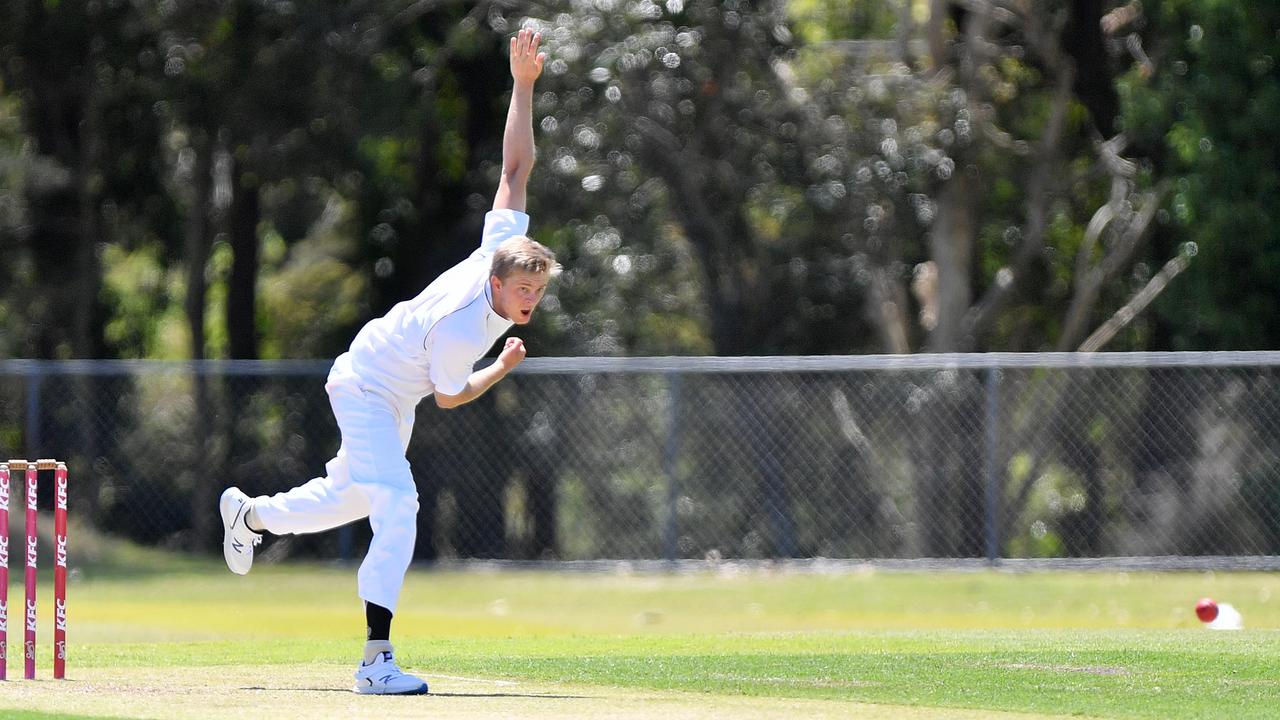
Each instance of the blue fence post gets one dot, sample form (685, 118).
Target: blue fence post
(991, 465)
(346, 542)
(777, 498)
(670, 456)
(35, 380)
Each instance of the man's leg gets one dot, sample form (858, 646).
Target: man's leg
(393, 517)
(317, 505)
(377, 617)
(320, 504)
(375, 433)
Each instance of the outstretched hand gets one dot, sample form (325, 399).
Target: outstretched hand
(512, 353)
(526, 61)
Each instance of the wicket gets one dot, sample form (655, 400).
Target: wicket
(31, 471)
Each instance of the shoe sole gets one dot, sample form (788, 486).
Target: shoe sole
(359, 690)
(223, 508)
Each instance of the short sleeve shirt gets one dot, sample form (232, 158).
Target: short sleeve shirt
(434, 340)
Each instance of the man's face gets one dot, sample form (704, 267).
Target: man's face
(516, 297)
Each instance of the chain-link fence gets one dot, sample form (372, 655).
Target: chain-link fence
(966, 456)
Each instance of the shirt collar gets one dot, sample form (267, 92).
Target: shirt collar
(492, 313)
(488, 295)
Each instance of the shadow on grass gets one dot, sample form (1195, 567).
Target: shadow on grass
(533, 696)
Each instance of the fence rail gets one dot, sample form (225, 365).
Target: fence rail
(682, 364)
(981, 457)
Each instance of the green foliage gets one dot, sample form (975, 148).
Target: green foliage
(679, 118)
(138, 287)
(1209, 111)
(312, 296)
(818, 21)
(14, 166)
(390, 159)
(822, 166)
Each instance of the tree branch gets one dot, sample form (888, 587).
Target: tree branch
(1139, 301)
(1089, 283)
(1011, 279)
(887, 303)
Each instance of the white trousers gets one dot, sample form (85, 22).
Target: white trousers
(369, 477)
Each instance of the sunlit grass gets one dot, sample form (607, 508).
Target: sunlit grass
(304, 601)
(1105, 644)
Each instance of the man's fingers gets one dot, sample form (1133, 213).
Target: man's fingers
(525, 43)
(513, 352)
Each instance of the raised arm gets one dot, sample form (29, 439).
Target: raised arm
(517, 139)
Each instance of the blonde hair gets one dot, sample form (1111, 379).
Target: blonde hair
(520, 254)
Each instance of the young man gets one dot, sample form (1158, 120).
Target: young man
(424, 346)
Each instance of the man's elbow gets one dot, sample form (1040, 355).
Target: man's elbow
(447, 402)
(518, 174)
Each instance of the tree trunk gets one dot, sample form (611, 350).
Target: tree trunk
(951, 242)
(51, 51)
(935, 28)
(948, 501)
(197, 243)
(242, 326)
(1094, 80)
(197, 258)
(542, 512)
(87, 335)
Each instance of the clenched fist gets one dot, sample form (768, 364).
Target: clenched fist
(512, 353)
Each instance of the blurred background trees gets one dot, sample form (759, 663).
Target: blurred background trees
(256, 179)
(251, 179)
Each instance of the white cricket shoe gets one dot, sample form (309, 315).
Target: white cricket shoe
(384, 677)
(238, 540)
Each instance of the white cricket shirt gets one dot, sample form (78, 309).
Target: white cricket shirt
(434, 340)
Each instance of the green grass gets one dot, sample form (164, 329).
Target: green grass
(1115, 645)
(30, 715)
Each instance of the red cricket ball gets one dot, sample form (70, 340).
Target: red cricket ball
(1206, 609)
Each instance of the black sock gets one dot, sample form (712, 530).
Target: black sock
(378, 622)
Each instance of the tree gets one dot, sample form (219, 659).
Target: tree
(76, 71)
(1204, 115)
(852, 195)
